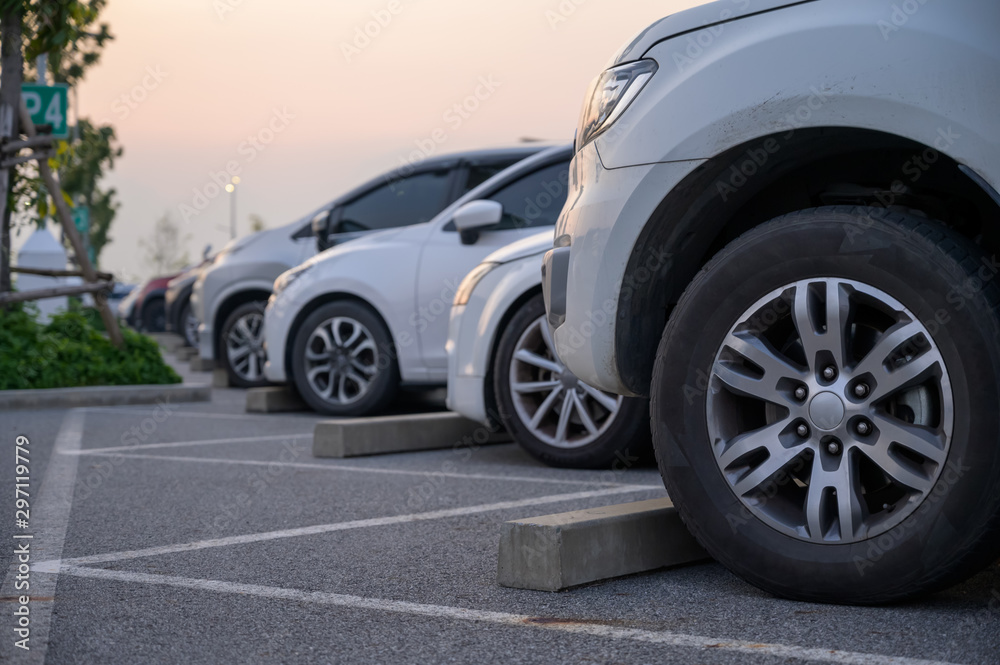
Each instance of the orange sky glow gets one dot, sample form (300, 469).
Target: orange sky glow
(306, 108)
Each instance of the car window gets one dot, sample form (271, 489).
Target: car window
(399, 202)
(480, 173)
(535, 199)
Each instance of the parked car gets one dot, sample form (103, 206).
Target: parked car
(180, 318)
(230, 295)
(119, 292)
(797, 263)
(351, 325)
(503, 368)
(147, 310)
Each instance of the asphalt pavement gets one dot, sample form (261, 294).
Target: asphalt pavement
(197, 533)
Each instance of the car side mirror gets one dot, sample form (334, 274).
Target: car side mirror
(321, 228)
(476, 216)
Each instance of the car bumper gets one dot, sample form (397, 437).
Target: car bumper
(466, 394)
(175, 300)
(278, 318)
(595, 236)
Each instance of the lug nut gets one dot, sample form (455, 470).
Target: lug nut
(861, 389)
(833, 447)
(802, 430)
(800, 393)
(829, 373)
(863, 427)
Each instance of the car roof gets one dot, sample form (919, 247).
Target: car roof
(516, 152)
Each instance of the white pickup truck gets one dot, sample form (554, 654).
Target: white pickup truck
(783, 226)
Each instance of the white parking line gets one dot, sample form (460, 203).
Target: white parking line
(132, 409)
(374, 469)
(47, 526)
(53, 566)
(663, 638)
(181, 444)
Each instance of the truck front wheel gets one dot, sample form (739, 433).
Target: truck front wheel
(825, 406)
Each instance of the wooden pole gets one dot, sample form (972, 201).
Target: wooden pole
(54, 292)
(69, 229)
(45, 272)
(10, 100)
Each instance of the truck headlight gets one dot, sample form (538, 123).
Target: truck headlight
(609, 95)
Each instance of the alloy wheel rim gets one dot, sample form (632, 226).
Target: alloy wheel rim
(245, 346)
(341, 360)
(830, 411)
(555, 406)
(191, 329)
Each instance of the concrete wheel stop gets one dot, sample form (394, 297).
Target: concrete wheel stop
(557, 552)
(357, 437)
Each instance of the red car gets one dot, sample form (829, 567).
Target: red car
(148, 311)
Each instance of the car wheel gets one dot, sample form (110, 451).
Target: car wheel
(154, 316)
(824, 405)
(242, 346)
(344, 361)
(189, 325)
(553, 415)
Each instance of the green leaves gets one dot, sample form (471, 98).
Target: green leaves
(70, 351)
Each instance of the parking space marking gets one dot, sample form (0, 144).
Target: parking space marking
(382, 470)
(110, 557)
(133, 409)
(51, 504)
(181, 444)
(663, 638)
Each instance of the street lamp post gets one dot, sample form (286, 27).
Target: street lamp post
(231, 188)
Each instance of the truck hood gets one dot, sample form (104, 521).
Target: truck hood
(694, 19)
(523, 248)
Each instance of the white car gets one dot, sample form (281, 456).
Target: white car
(502, 368)
(783, 227)
(229, 295)
(352, 324)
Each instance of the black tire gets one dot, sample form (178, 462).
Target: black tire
(154, 316)
(244, 375)
(624, 442)
(382, 384)
(954, 530)
(190, 339)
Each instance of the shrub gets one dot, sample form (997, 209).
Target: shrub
(70, 351)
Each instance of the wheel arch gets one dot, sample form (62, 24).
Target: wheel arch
(772, 175)
(226, 307)
(489, 392)
(311, 307)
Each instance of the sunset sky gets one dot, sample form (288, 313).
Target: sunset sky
(188, 83)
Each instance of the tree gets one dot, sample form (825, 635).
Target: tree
(257, 224)
(166, 248)
(81, 167)
(68, 32)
